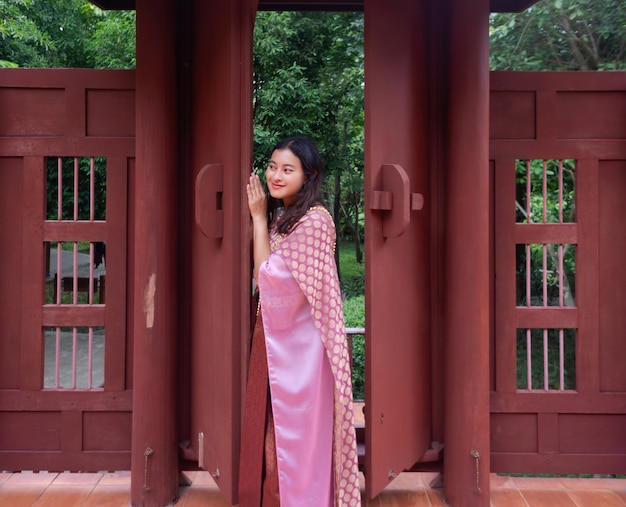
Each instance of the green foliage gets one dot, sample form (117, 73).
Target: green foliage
(82, 192)
(352, 287)
(308, 80)
(561, 35)
(65, 33)
(545, 193)
(550, 362)
(21, 40)
(354, 312)
(352, 278)
(308, 75)
(112, 43)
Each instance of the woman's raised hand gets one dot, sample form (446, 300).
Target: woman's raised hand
(257, 200)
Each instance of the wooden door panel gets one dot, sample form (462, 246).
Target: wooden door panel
(57, 426)
(221, 133)
(397, 385)
(11, 199)
(577, 117)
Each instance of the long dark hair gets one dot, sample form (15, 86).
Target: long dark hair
(310, 193)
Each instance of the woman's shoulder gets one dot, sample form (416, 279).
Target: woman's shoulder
(318, 213)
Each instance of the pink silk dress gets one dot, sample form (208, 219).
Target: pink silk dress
(309, 367)
(301, 387)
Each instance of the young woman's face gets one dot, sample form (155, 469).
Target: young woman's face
(284, 176)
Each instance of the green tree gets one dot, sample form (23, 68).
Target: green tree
(308, 79)
(65, 33)
(561, 35)
(21, 41)
(112, 44)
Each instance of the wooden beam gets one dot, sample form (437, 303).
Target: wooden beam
(322, 5)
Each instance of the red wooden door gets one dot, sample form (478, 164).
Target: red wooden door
(220, 276)
(558, 149)
(397, 390)
(65, 377)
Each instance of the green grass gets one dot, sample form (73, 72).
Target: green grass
(351, 272)
(353, 290)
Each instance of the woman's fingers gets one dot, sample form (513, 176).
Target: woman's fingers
(256, 195)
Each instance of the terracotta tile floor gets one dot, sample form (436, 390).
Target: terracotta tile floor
(409, 489)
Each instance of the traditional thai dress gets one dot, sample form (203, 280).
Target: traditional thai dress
(308, 367)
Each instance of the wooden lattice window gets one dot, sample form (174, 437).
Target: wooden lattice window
(546, 272)
(75, 271)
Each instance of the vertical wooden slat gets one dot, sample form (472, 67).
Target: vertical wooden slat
(587, 278)
(506, 339)
(116, 254)
(33, 274)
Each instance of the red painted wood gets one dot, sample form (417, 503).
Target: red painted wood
(588, 285)
(504, 245)
(220, 277)
(612, 275)
(539, 317)
(100, 121)
(33, 129)
(545, 233)
(117, 252)
(154, 463)
(397, 433)
(467, 276)
(31, 356)
(581, 117)
(11, 267)
(557, 402)
(106, 431)
(208, 199)
(70, 315)
(76, 231)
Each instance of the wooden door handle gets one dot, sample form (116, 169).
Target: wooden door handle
(395, 200)
(209, 189)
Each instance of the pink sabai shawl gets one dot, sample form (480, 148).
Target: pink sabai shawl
(307, 252)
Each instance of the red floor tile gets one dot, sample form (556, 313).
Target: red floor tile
(19, 496)
(590, 483)
(116, 478)
(537, 483)
(407, 490)
(501, 482)
(108, 496)
(30, 479)
(79, 479)
(436, 497)
(204, 497)
(63, 496)
(399, 498)
(596, 498)
(548, 498)
(507, 497)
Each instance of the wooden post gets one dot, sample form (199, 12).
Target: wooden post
(467, 319)
(154, 465)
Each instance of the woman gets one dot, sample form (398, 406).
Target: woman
(309, 452)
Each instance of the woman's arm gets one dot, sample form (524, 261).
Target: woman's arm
(257, 202)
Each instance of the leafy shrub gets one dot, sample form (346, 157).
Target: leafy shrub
(354, 312)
